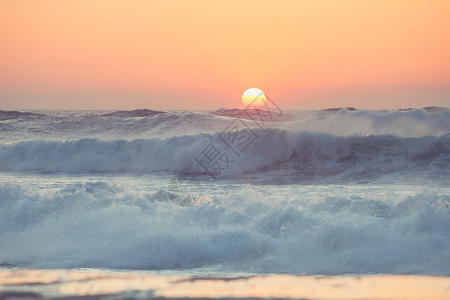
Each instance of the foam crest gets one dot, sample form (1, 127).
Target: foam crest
(344, 122)
(306, 155)
(323, 230)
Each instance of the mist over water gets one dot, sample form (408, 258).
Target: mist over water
(314, 192)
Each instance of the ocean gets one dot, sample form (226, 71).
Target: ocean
(230, 196)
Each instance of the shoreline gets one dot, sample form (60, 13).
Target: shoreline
(104, 284)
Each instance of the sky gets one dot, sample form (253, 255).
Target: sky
(203, 54)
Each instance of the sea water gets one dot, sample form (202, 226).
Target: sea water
(331, 192)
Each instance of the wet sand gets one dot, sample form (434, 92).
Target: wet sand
(102, 284)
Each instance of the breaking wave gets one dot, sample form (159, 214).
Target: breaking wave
(329, 230)
(310, 154)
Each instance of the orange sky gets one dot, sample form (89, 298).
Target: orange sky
(117, 54)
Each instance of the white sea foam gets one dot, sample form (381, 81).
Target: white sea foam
(301, 230)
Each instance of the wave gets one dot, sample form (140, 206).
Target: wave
(133, 113)
(407, 123)
(334, 230)
(145, 124)
(128, 125)
(430, 109)
(306, 155)
(12, 114)
(254, 114)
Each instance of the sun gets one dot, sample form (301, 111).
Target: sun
(254, 97)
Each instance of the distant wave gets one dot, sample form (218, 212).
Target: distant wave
(336, 109)
(304, 154)
(145, 124)
(254, 114)
(18, 126)
(430, 109)
(12, 114)
(407, 123)
(133, 113)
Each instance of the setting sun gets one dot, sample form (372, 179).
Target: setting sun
(254, 97)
